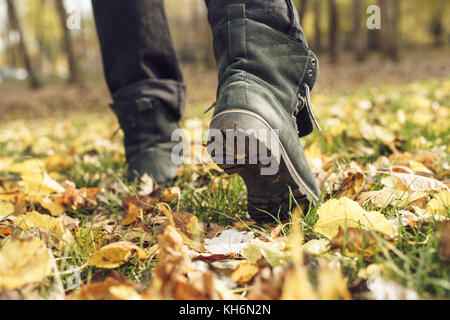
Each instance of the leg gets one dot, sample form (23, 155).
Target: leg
(145, 80)
(265, 74)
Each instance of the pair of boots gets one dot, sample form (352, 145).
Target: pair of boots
(265, 77)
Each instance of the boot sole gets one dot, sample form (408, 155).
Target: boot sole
(266, 193)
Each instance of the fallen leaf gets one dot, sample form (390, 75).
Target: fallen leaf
(273, 252)
(53, 207)
(244, 273)
(352, 186)
(36, 220)
(440, 204)
(6, 208)
(229, 241)
(115, 254)
(317, 246)
(136, 206)
(102, 290)
(413, 182)
(344, 213)
(23, 262)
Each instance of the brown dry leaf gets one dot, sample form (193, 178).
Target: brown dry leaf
(210, 258)
(352, 186)
(23, 262)
(115, 254)
(188, 224)
(244, 273)
(347, 213)
(176, 221)
(171, 193)
(200, 287)
(137, 235)
(355, 240)
(5, 230)
(173, 261)
(102, 290)
(77, 198)
(136, 206)
(267, 284)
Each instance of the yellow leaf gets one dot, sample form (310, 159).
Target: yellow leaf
(440, 204)
(54, 208)
(23, 262)
(6, 208)
(39, 184)
(28, 166)
(244, 273)
(5, 163)
(36, 220)
(347, 213)
(332, 285)
(115, 254)
(271, 251)
(297, 286)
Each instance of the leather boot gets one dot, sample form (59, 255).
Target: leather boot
(265, 78)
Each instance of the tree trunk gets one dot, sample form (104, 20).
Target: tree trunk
(302, 11)
(15, 24)
(389, 38)
(358, 41)
(437, 27)
(317, 31)
(74, 74)
(333, 31)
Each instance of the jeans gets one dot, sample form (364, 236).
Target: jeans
(139, 58)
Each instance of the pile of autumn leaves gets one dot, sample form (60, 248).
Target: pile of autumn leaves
(197, 260)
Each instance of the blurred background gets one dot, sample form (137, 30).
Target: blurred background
(50, 61)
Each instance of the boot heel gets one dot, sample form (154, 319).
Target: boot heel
(246, 145)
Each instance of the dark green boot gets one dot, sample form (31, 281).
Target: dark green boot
(147, 126)
(264, 82)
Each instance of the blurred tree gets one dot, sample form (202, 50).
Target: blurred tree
(15, 25)
(317, 31)
(74, 73)
(302, 6)
(389, 21)
(359, 46)
(333, 30)
(437, 25)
